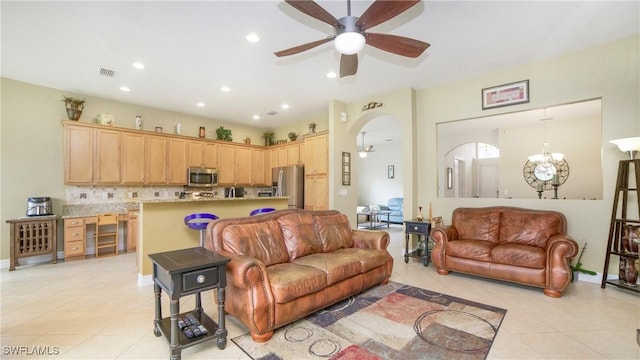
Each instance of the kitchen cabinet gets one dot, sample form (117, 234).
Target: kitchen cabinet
(156, 159)
(235, 164)
(74, 238)
(203, 154)
(258, 168)
(226, 164)
(243, 166)
(78, 155)
(315, 192)
(293, 154)
(132, 230)
(178, 161)
(107, 156)
(132, 158)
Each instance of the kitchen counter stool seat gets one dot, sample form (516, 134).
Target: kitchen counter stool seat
(261, 211)
(199, 221)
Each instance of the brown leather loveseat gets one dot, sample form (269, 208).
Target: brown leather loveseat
(290, 263)
(524, 246)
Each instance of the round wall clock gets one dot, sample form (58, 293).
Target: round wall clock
(542, 173)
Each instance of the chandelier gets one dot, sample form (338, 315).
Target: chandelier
(546, 157)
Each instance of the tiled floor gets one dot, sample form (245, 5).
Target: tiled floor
(94, 309)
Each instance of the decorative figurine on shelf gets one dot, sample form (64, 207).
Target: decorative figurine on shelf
(312, 128)
(419, 217)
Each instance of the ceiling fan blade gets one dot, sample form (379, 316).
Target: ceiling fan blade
(399, 45)
(303, 47)
(348, 65)
(314, 10)
(381, 11)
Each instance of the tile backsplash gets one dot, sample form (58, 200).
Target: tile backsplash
(77, 195)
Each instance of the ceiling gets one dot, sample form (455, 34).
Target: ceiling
(191, 49)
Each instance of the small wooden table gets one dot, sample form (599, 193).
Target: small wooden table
(184, 272)
(374, 219)
(422, 229)
(32, 236)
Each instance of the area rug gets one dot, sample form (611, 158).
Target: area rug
(393, 321)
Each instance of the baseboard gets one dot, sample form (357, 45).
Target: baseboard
(145, 280)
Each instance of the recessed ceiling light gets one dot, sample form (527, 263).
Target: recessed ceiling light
(284, 106)
(256, 117)
(138, 65)
(253, 38)
(225, 88)
(125, 88)
(200, 104)
(332, 75)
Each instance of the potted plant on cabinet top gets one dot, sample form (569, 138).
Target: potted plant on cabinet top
(223, 134)
(268, 137)
(293, 136)
(312, 128)
(74, 107)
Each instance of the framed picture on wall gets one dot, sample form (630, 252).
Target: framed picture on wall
(346, 168)
(504, 95)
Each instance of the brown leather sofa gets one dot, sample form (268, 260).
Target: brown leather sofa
(290, 263)
(524, 246)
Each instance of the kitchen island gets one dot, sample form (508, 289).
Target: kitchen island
(162, 228)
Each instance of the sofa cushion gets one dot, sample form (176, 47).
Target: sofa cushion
(368, 258)
(300, 236)
(337, 266)
(290, 281)
(519, 255)
(261, 240)
(521, 227)
(470, 249)
(334, 231)
(477, 224)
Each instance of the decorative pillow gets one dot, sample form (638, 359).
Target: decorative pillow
(334, 232)
(261, 240)
(299, 234)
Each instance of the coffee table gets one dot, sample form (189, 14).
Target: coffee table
(374, 220)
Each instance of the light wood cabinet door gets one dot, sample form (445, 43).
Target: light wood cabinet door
(107, 164)
(210, 155)
(156, 160)
(78, 155)
(226, 164)
(132, 158)
(132, 230)
(196, 153)
(293, 154)
(244, 161)
(282, 156)
(258, 168)
(315, 151)
(315, 192)
(178, 161)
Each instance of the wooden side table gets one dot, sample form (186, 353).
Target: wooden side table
(422, 230)
(185, 272)
(32, 236)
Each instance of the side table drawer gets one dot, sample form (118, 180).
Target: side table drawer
(199, 279)
(73, 248)
(417, 228)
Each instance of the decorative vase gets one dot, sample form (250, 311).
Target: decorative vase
(420, 217)
(628, 271)
(74, 113)
(630, 239)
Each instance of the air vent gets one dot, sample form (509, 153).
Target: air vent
(271, 113)
(107, 72)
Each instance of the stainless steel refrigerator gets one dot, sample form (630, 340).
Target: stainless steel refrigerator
(289, 181)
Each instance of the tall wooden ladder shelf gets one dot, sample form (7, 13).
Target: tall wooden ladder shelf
(619, 219)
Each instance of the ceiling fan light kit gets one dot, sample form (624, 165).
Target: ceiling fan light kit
(350, 32)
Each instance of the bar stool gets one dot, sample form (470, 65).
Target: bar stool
(199, 221)
(261, 211)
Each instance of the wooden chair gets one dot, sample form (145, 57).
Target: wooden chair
(107, 233)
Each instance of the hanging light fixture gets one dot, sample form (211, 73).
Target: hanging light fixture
(546, 157)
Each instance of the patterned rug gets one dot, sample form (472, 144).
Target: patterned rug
(393, 321)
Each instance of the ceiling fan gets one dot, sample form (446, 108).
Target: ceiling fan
(364, 150)
(351, 32)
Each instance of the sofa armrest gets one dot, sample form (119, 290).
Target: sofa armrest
(368, 239)
(561, 249)
(243, 271)
(440, 236)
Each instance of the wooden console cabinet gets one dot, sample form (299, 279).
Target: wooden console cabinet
(32, 236)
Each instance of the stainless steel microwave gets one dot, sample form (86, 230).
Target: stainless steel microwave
(202, 177)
